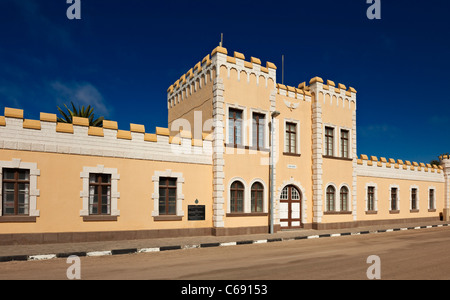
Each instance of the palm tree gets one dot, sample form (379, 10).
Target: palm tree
(81, 112)
(437, 162)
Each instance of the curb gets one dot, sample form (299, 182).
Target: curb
(202, 245)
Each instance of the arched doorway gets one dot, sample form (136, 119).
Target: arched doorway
(290, 207)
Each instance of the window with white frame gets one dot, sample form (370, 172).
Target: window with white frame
(371, 197)
(291, 136)
(18, 191)
(168, 195)
(100, 191)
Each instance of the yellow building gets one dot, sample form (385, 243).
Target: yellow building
(209, 172)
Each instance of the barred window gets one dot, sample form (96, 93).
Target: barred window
(167, 196)
(99, 194)
(259, 122)
(394, 199)
(344, 198)
(329, 141)
(330, 198)
(344, 143)
(237, 197)
(291, 138)
(235, 127)
(371, 198)
(257, 194)
(16, 192)
(414, 198)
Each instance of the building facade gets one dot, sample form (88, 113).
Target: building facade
(236, 141)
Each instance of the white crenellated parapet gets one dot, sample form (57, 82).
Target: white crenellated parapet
(398, 169)
(48, 135)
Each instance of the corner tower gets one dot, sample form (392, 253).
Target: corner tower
(334, 154)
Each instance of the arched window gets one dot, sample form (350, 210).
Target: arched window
(330, 198)
(237, 197)
(344, 198)
(257, 193)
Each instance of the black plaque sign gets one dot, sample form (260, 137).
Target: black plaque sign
(196, 212)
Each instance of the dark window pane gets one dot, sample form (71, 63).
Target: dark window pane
(23, 187)
(8, 210)
(106, 178)
(8, 197)
(8, 174)
(23, 210)
(23, 198)
(172, 206)
(8, 187)
(162, 193)
(92, 178)
(162, 207)
(24, 174)
(259, 201)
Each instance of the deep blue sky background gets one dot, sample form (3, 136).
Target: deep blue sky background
(124, 54)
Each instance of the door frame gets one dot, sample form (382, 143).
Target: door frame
(289, 220)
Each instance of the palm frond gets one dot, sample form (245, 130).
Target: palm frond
(66, 118)
(83, 112)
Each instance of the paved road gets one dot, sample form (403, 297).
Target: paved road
(413, 254)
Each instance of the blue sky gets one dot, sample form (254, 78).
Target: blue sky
(123, 55)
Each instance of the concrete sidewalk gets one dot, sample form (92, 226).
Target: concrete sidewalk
(50, 251)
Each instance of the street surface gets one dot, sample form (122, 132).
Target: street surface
(412, 254)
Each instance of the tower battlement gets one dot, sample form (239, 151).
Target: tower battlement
(209, 67)
(337, 95)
